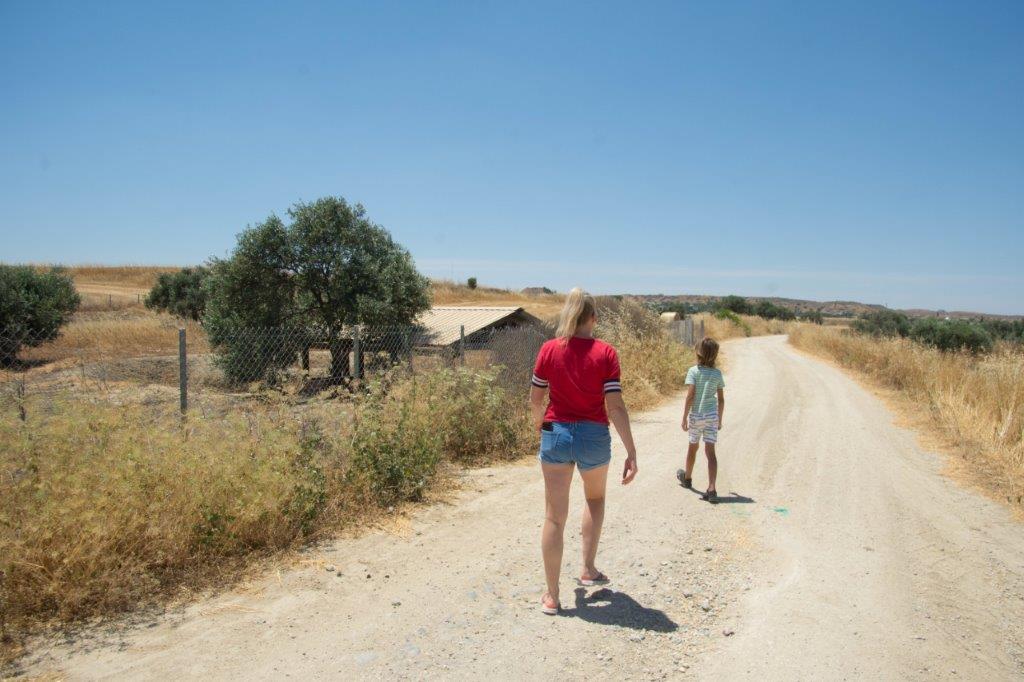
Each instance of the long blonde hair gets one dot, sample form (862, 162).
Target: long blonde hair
(578, 309)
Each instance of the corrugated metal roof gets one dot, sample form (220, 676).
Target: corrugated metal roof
(441, 324)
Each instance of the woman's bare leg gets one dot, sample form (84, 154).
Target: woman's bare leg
(594, 483)
(557, 479)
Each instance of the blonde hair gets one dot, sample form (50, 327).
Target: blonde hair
(578, 309)
(707, 351)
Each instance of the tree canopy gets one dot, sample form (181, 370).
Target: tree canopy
(33, 307)
(329, 268)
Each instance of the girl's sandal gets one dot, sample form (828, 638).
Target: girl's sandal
(687, 482)
(599, 579)
(549, 610)
(711, 496)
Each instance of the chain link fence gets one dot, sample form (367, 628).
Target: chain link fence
(161, 362)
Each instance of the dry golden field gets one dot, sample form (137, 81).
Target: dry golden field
(973, 406)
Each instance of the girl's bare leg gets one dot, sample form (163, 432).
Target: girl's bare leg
(691, 458)
(709, 450)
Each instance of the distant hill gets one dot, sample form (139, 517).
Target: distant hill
(828, 308)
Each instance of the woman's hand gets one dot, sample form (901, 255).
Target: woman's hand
(629, 469)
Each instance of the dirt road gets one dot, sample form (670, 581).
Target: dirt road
(840, 553)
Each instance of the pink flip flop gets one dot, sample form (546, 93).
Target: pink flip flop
(549, 610)
(601, 579)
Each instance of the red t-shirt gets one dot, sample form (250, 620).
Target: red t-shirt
(577, 374)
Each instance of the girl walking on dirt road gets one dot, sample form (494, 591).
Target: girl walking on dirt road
(580, 375)
(702, 414)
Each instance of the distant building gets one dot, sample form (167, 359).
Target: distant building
(448, 325)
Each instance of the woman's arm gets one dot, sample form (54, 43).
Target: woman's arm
(537, 405)
(691, 391)
(721, 405)
(619, 416)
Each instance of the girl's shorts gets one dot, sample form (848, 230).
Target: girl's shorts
(587, 444)
(704, 424)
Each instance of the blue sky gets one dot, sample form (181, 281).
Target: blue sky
(819, 150)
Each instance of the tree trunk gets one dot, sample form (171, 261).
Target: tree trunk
(340, 350)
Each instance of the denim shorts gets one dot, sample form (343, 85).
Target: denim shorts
(587, 444)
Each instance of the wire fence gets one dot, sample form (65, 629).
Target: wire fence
(163, 363)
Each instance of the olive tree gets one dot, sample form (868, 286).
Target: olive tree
(33, 307)
(181, 293)
(313, 278)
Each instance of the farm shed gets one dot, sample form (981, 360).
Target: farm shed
(444, 326)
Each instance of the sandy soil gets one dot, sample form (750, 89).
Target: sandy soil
(840, 553)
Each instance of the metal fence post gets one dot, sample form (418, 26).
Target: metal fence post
(357, 354)
(462, 344)
(182, 372)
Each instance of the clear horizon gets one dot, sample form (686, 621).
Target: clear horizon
(870, 153)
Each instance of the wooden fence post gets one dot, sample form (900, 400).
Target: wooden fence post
(462, 344)
(182, 372)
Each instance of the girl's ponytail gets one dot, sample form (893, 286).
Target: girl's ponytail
(578, 309)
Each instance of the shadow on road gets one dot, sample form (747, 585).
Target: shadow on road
(608, 607)
(731, 498)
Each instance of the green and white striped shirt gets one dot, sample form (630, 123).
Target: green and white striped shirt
(707, 381)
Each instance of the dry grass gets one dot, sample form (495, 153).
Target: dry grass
(750, 326)
(119, 277)
(973, 404)
(544, 306)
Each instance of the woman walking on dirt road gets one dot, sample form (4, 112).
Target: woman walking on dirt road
(580, 374)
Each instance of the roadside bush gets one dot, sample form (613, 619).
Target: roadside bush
(471, 282)
(736, 304)
(769, 311)
(730, 316)
(883, 323)
(181, 293)
(33, 307)
(813, 316)
(951, 335)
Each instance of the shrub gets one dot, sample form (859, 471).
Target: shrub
(471, 282)
(736, 304)
(883, 323)
(181, 293)
(730, 316)
(814, 316)
(33, 307)
(951, 335)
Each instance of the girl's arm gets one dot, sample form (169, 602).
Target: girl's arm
(618, 416)
(721, 405)
(537, 405)
(691, 391)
